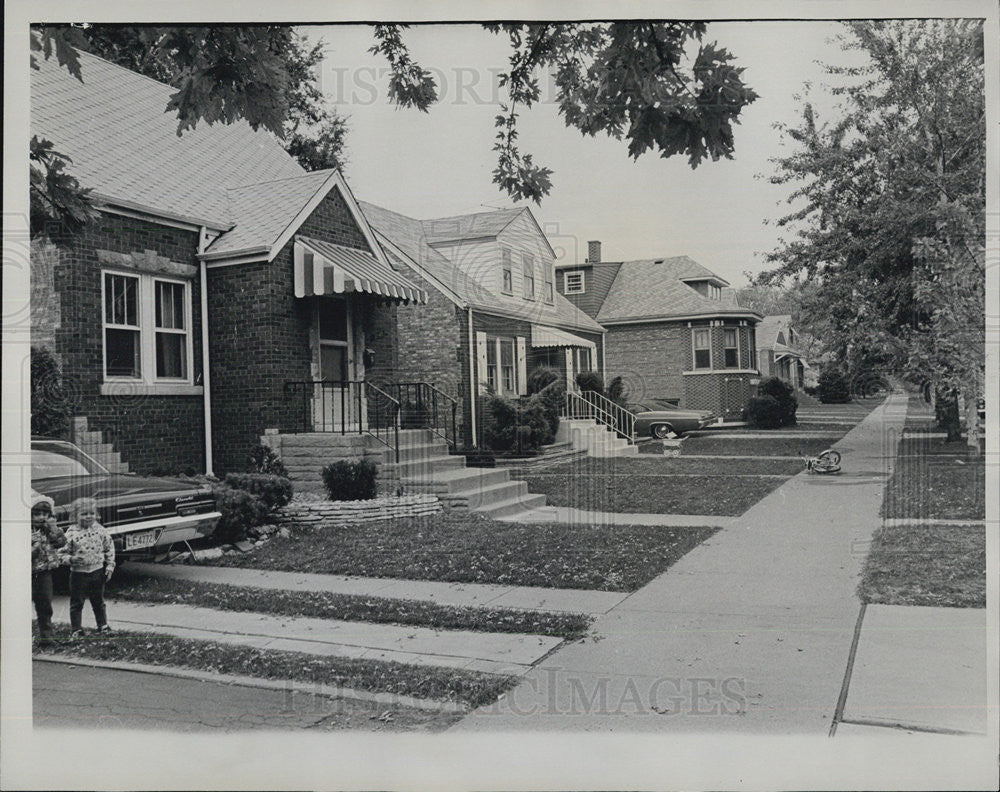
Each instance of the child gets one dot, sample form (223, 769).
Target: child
(91, 562)
(46, 538)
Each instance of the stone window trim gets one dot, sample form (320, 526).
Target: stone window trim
(147, 381)
(133, 388)
(574, 282)
(506, 271)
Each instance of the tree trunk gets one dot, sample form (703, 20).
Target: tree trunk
(946, 411)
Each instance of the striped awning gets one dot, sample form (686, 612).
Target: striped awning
(542, 336)
(325, 268)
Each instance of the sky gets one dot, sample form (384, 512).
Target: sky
(439, 163)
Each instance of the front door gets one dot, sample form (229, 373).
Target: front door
(335, 396)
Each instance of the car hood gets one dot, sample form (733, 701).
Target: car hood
(668, 414)
(66, 489)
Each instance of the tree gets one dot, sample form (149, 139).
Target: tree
(890, 204)
(628, 80)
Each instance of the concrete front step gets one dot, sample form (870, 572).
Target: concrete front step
(416, 451)
(476, 498)
(511, 507)
(457, 480)
(424, 467)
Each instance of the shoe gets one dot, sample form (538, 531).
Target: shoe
(76, 635)
(104, 628)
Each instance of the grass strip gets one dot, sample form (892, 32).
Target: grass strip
(657, 464)
(934, 479)
(348, 607)
(471, 548)
(937, 565)
(472, 688)
(756, 446)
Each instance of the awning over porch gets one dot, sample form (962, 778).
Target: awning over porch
(325, 268)
(782, 351)
(542, 336)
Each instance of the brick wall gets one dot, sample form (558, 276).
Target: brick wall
(151, 433)
(650, 358)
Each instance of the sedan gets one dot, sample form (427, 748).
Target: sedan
(142, 514)
(665, 420)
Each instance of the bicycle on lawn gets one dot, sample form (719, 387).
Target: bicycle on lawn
(824, 463)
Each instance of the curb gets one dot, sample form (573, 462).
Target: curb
(391, 699)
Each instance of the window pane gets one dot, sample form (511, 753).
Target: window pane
(170, 305)
(548, 291)
(171, 355)
(333, 321)
(508, 281)
(732, 359)
(121, 353)
(701, 339)
(701, 359)
(730, 338)
(121, 305)
(507, 352)
(333, 363)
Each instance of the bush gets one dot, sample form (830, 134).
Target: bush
(500, 425)
(617, 392)
(540, 378)
(833, 387)
(590, 381)
(553, 398)
(764, 412)
(347, 481)
(510, 426)
(784, 396)
(273, 491)
(49, 408)
(241, 510)
(264, 459)
(535, 416)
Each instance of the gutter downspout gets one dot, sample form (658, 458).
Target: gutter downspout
(206, 380)
(472, 380)
(604, 357)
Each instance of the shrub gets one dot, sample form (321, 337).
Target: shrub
(500, 425)
(49, 408)
(540, 378)
(590, 381)
(833, 387)
(274, 491)
(510, 426)
(764, 412)
(553, 398)
(535, 416)
(264, 459)
(617, 392)
(346, 481)
(784, 395)
(241, 510)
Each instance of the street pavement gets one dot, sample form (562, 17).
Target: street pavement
(750, 632)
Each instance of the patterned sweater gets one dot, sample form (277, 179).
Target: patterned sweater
(90, 548)
(44, 555)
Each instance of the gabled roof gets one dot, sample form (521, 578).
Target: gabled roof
(771, 330)
(468, 226)
(125, 146)
(655, 290)
(405, 237)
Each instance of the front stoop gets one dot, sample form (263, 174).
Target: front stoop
(426, 466)
(92, 443)
(597, 440)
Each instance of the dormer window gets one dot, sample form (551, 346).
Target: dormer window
(573, 282)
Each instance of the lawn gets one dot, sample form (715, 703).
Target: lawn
(942, 565)
(326, 605)
(934, 479)
(471, 688)
(475, 549)
(659, 485)
(756, 446)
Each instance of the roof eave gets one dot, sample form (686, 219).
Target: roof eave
(737, 314)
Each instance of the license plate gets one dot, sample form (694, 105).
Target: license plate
(140, 539)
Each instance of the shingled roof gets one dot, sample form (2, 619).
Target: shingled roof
(468, 226)
(125, 146)
(410, 237)
(655, 290)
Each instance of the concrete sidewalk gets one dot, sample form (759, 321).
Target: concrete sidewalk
(499, 653)
(750, 632)
(478, 595)
(571, 516)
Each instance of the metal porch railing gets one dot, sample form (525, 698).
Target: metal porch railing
(597, 407)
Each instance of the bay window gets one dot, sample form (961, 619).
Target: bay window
(702, 343)
(731, 347)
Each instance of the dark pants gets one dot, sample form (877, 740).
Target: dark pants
(41, 595)
(84, 586)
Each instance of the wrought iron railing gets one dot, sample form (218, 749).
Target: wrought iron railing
(597, 407)
(352, 407)
(424, 406)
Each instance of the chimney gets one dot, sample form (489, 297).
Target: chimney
(594, 252)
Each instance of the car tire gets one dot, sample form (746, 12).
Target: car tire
(662, 431)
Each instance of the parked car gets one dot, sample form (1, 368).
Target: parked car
(143, 514)
(661, 420)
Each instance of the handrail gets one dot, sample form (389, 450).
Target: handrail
(591, 404)
(425, 406)
(375, 396)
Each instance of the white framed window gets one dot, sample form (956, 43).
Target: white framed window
(528, 264)
(701, 340)
(147, 328)
(549, 290)
(507, 367)
(731, 347)
(507, 271)
(573, 282)
(491, 363)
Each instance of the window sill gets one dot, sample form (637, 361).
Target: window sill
(144, 389)
(719, 371)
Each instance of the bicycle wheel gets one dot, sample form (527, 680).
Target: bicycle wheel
(830, 455)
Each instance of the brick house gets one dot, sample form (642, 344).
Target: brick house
(220, 283)
(777, 354)
(674, 329)
(493, 312)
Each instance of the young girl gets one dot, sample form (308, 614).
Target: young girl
(91, 561)
(46, 539)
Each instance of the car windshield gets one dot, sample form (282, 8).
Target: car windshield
(54, 461)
